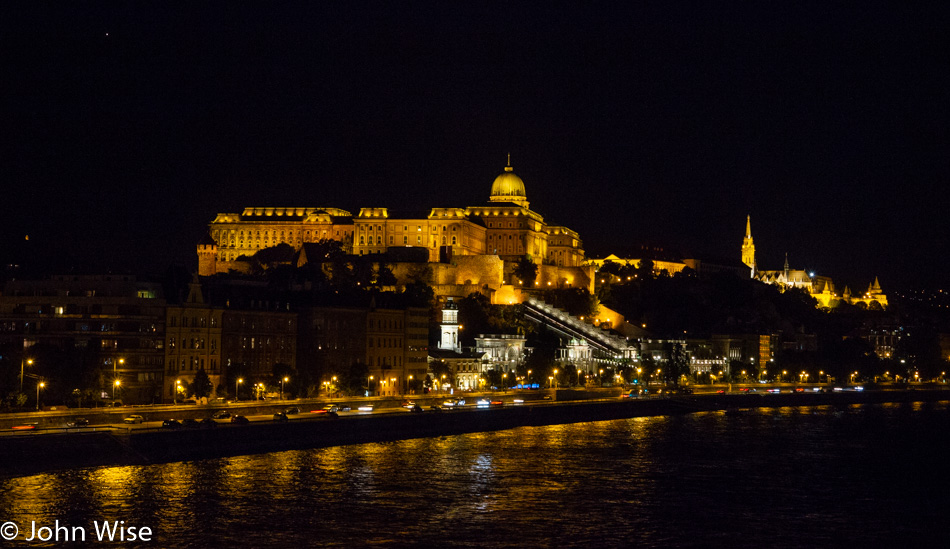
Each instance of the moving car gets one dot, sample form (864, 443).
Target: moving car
(240, 420)
(293, 410)
(134, 418)
(221, 414)
(78, 422)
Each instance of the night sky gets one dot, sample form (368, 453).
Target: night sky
(127, 127)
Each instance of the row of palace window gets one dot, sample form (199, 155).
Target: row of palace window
(405, 240)
(405, 228)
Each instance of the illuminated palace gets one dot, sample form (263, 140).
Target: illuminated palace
(471, 249)
(821, 288)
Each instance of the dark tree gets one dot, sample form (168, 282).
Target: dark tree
(526, 271)
(201, 386)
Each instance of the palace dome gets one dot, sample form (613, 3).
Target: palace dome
(507, 185)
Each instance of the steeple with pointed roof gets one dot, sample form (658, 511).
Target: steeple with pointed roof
(748, 248)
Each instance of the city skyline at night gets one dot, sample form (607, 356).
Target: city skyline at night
(640, 125)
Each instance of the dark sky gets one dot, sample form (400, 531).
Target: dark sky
(127, 127)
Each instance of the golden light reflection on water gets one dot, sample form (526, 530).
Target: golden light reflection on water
(465, 484)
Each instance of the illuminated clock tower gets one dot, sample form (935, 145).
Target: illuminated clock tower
(450, 327)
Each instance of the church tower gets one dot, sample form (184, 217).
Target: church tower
(450, 327)
(748, 249)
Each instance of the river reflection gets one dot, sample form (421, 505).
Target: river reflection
(780, 477)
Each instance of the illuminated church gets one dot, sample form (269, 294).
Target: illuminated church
(471, 248)
(821, 288)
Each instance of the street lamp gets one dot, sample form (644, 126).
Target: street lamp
(177, 390)
(409, 385)
(550, 381)
(28, 361)
(504, 382)
(114, 387)
(369, 388)
(39, 385)
(282, 387)
(237, 383)
(555, 378)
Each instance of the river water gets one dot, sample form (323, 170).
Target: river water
(862, 475)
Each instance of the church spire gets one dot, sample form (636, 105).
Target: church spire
(748, 248)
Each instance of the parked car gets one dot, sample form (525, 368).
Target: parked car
(134, 418)
(293, 410)
(240, 420)
(435, 408)
(171, 424)
(415, 408)
(208, 423)
(190, 423)
(78, 422)
(221, 414)
(280, 416)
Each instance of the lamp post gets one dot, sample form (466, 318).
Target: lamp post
(409, 385)
(369, 386)
(177, 390)
(28, 361)
(39, 385)
(504, 382)
(282, 387)
(114, 387)
(236, 385)
(555, 378)
(442, 385)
